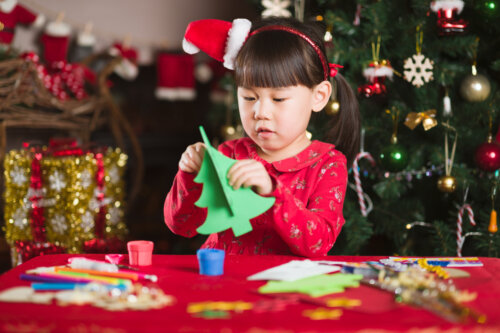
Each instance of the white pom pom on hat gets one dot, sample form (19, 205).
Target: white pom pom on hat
(447, 5)
(221, 40)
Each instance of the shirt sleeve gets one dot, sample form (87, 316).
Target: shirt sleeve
(311, 229)
(181, 215)
(24, 15)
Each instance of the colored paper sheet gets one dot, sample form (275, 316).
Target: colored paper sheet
(294, 270)
(315, 286)
(226, 208)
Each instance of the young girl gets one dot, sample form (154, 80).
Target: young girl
(282, 75)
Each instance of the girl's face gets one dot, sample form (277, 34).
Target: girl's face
(276, 119)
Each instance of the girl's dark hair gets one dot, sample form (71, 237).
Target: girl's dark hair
(279, 59)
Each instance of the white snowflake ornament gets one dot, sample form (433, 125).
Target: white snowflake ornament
(18, 177)
(94, 204)
(57, 181)
(418, 70)
(276, 8)
(114, 175)
(87, 221)
(20, 218)
(115, 215)
(86, 179)
(59, 224)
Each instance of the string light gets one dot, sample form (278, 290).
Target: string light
(418, 223)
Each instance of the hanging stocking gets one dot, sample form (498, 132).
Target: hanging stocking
(55, 42)
(12, 14)
(175, 79)
(85, 43)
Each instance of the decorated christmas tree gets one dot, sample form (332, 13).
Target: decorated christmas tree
(426, 73)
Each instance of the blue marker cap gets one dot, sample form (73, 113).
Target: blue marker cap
(211, 261)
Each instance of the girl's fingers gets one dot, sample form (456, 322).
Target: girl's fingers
(242, 166)
(185, 167)
(192, 158)
(243, 180)
(249, 176)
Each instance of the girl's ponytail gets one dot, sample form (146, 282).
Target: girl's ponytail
(345, 127)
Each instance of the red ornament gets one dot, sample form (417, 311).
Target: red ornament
(377, 87)
(376, 73)
(487, 156)
(447, 12)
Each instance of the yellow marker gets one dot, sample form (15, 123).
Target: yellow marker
(96, 278)
(119, 275)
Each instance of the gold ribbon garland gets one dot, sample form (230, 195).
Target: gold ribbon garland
(427, 118)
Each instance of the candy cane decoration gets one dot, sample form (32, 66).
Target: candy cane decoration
(460, 238)
(357, 180)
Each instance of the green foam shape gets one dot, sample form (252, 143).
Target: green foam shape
(315, 286)
(227, 208)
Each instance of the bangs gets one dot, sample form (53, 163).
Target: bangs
(283, 64)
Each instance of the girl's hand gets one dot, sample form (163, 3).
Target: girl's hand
(192, 158)
(250, 173)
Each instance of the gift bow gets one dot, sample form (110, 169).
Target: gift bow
(333, 69)
(427, 118)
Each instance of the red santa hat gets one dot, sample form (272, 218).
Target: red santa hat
(219, 39)
(127, 68)
(447, 5)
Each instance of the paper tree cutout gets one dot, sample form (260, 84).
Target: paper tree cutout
(315, 286)
(227, 208)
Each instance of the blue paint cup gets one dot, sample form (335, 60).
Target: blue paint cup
(211, 261)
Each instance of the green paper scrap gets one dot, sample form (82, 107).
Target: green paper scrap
(227, 207)
(213, 314)
(315, 286)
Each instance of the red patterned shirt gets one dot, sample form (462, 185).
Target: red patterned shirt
(305, 219)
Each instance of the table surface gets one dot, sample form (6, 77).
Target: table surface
(178, 276)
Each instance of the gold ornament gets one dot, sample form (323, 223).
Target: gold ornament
(475, 88)
(427, 118)
(447, 184)
(332, 107)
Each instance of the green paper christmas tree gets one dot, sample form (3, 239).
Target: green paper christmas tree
(227, 208)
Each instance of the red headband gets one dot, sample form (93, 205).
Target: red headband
(328, 68)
